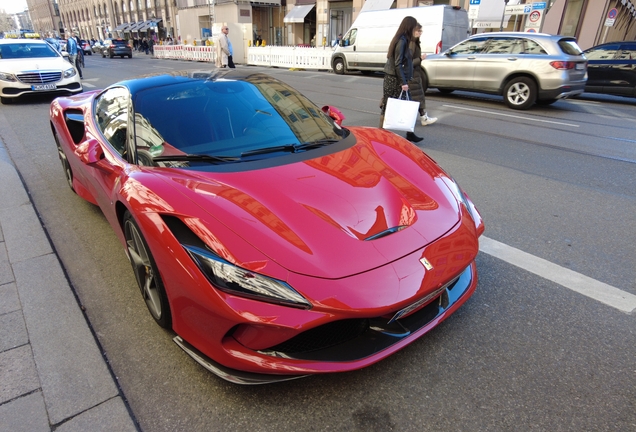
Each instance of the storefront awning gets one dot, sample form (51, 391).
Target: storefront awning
(372, 5)
(135, 26)
(121, 27)
(149, 24)
(298, 14)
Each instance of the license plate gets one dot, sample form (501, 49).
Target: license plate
(580, 66)
(43, 87)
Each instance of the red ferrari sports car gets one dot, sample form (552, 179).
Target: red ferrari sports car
(273, 241)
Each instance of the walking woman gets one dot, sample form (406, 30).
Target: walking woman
(398, 69)
(416, 86)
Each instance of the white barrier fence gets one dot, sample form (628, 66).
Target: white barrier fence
(290, 57)
(285, 57)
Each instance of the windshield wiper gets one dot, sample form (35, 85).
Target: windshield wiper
(196, 158)
(291, 148)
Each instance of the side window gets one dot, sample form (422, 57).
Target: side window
(350, 38)
(605, 52)
(111, 114)
(628, 52)
(471, 46)
(531, 47)
(503, 45)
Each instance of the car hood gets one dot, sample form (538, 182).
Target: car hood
(34, 64)
(336, 215)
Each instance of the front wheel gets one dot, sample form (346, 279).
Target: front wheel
(520, 93)
(339, 66)
(146, 273)
(68, 172)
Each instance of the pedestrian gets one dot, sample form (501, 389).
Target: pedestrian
(226, 48)
(416, 87)
(72, 50)
(398, 69)
(144, 45)
(151, 46)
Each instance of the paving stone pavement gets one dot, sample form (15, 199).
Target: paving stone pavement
(52, 373)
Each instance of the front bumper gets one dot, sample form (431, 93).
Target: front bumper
(375, 339)
(14, 90)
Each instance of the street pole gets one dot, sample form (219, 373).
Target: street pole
(503, 14)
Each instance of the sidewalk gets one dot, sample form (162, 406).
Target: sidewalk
(52, 374)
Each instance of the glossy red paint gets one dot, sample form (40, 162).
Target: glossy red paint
(303, 223)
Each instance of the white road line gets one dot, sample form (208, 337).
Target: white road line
(514, 116)
(88, 85)
(599, 291)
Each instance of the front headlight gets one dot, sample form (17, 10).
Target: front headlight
(457, 191)
(68, 73)
(4, 76)
(238, 281)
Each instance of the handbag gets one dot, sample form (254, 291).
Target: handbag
(401, 114)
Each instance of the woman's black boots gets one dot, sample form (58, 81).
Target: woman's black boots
(413, 138)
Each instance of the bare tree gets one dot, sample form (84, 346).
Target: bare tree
(7, 22)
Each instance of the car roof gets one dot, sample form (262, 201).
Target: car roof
(523, 35)
(161, 79)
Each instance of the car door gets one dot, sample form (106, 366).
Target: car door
(455, 69)
(111, 112)
(349, 49)
(622, 76)
(499, 57)
(599, 60)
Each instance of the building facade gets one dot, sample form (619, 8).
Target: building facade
(44, 16)
(312, 22)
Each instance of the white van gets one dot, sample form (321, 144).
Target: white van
(365, 45)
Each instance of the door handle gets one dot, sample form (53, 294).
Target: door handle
(354, 47)
(471, 58)
(512, 58)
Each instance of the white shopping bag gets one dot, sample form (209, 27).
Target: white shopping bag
(401, 114)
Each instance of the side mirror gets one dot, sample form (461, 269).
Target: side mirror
(334, 113)
(448, 53)
(90, 151)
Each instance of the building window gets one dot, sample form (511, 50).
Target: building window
(572, 16)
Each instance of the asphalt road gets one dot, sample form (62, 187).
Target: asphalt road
(526, 352)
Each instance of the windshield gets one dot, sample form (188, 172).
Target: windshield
(229, 118)
(21, 50)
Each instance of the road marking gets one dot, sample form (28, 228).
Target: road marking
(514, 116)
(599, 291)
(89, 85)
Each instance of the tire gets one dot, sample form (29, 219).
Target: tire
(545, 102)
(445, 90)
(103, 55)
(146, 273)
(339, 66)
(520, 93)
(68, 172)
(129, 55)
(90, 53)
(111, 55)
(367, 72)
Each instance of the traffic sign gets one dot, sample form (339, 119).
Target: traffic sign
(539, 5)
(612, 13)
(475, 2)
(535, 16)
(522, 9)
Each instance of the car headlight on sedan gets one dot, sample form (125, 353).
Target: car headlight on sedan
(68, 73)
(238, 281)
(4, 76)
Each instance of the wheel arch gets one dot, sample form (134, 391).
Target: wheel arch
(510, 77)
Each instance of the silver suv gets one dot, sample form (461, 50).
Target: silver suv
(523, 67)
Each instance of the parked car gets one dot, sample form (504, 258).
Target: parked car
(86, 47)
(98, 46)
(34, 66)
(612, 69)
(522, 67)
(116, 47)
(365, 45)
(267, 236)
